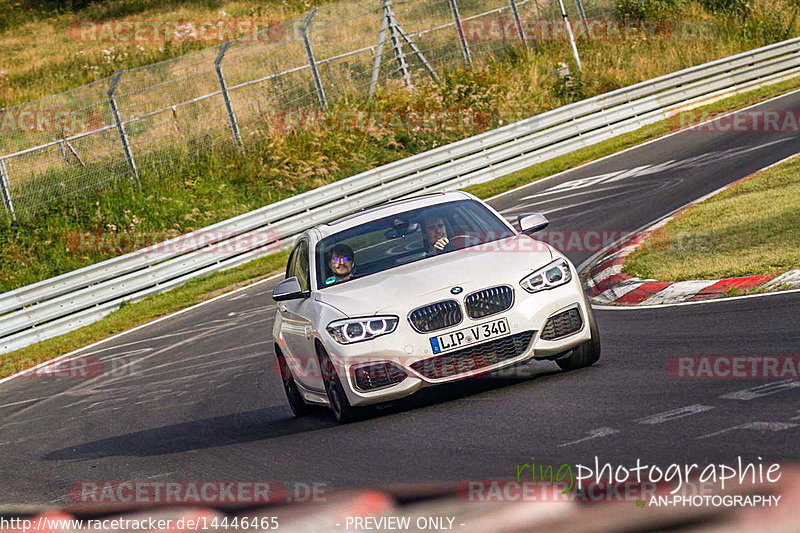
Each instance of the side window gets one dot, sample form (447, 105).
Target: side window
(291, 265)
(301, 264)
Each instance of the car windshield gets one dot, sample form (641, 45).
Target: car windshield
(404, 238)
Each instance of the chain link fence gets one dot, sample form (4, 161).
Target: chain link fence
(230, 96)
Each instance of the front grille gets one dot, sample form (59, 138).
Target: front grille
(377, 375)
(489, 301)
(562, 324)
(474, 357)
(435, 316)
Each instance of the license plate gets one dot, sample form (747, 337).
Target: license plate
(471, 335)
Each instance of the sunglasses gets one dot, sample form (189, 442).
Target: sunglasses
(336, 259)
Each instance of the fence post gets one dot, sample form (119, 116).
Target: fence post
(397, 44)
(518, 22)
(571, 36)
(311, 61)
(376, 65)
(224, 88)
(123, 137)
(460, 30)
(582, 14)
(6, 190)
(418, 52)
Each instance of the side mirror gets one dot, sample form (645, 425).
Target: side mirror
(288, 289)
(532, 222)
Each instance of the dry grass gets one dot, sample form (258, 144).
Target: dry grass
(60, 61)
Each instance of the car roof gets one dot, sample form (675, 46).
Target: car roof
(388, 209)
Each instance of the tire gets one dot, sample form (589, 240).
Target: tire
(587, 353)
(343, 412)
(298, 405)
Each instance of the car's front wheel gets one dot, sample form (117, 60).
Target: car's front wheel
(587, 353)
(343, 412)
(298, 405)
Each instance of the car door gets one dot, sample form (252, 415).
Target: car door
(297, 320)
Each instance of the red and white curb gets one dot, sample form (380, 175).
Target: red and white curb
(606, 284)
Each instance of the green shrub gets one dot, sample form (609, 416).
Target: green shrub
(649, 9)
(739, 8)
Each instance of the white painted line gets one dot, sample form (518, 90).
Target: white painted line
(593, 434)
(674, 414)
(142, 326)
(678, 291)
(757, 426)
(762, 390)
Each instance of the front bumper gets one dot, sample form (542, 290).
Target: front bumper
(404, 347)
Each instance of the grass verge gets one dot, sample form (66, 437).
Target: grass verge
(751, 228)
(210, 286)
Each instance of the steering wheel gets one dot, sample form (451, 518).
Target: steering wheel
(460, 241)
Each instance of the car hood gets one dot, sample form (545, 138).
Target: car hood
(401, 289)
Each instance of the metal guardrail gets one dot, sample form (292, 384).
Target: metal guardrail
(52, 307)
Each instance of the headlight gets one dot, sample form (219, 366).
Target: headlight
(352, 330)
(555, 274)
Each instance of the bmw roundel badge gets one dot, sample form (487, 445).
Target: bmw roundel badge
(456, 290)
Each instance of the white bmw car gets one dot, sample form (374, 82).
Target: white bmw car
(418, 292)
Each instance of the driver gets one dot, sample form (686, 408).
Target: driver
(436, 238)
(341, 261)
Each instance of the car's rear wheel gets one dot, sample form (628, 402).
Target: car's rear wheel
(298, 405)
(343, 412)
(587, 353)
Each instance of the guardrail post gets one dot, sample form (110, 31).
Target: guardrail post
(376, 65)
(518, 23)
(311, 61)
(570, 34)
(123, 137)
(460, 30)
(224, 88)
(397, 44)
(6, 190)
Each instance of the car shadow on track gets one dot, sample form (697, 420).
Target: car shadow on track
(272, 422)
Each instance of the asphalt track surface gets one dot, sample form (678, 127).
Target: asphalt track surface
(197, 397)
